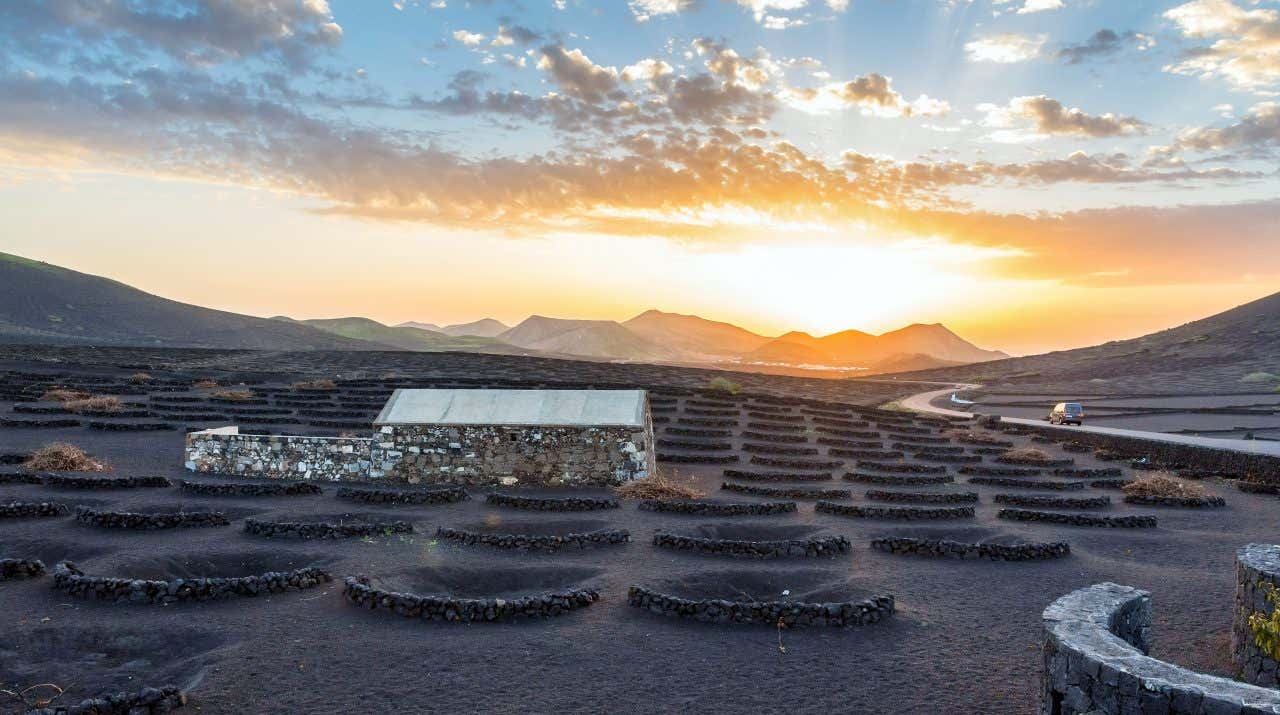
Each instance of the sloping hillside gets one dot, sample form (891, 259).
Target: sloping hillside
(400, 337)
(693, 335)
(43, 303)
(587, 338)
(858, 349)
(1235, 350)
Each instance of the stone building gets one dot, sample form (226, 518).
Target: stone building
(516, 437)
(480, 437)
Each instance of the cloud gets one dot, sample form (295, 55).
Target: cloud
(872, 93)
(644, 10)
(1005, 48)
(1248, 52)
(1103, 43)
(1256, 134)
(470, 39)
(576, 74)
(1049, 117)
(197, 32)
(1031, 6)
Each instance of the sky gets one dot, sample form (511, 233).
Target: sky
(1035, 174)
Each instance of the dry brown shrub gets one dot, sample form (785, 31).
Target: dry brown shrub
(966, 435)
(140, 377)
(1162, 484)
(96, 403)
(63, 457)
(1027, 454)
(234, 395)
(62, 394)
(205, 384)
(323, 384)
(658, 486)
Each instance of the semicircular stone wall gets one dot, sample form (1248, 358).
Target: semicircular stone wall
(1095, 660)
(1257, 572)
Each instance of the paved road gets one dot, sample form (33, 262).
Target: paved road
(921, 403)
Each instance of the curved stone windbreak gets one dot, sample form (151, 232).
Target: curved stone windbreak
(250, 489)
(864, 453)
(147, 701)
(66, 481)
(1019, 483)
(904, 513)
(1053, 502)
(901, 480)
(1257, 573)
(898, 468)
(1095, 660)
(783, 548)
(770, 613)
(68, 578)
(1023, 461)
(796, 463)
(770, 476)
(787, 492)
(33, 510)
(1119, 521)
(324, 529)
(20, 568)
(1088, 472)
(359, 591)
(528, 542)
(922, 497)
(948, 458)
(448, 495)
(699, 458)
(1001, 471)
(20, 478)
(709, 508)
(150, 522)
(944, 549)
(516, 501)
(1188, 502)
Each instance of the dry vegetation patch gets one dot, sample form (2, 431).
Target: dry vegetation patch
(62, 394)
(658, 486)
(1026, 454)
(975, 437)
(205, 384)
(138, 378)
(1160, 484)
(234, 395)
(323, 384)
(63, 457)
(95, 403)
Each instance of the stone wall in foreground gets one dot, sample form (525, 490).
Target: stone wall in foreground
(515, 455)
(1095, 661)
(225, 451)
(1257, 571)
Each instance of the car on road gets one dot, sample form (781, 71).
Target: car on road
(1065, 413)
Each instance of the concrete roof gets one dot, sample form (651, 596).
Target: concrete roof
(515, 407)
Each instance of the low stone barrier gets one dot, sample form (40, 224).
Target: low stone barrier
(787, 492)
(904, 513)
(542, 542)
(1088, 472)
(1257, 573)
(791, 614)
(944, 549)
(1095, 660)
(707, 508)
(20, 568)
(150, 522)
(1257, 487)
(694, 446)
(922, 497)
(1001, 471)
(1189, 502)
(1049, 501)
(1110, 483)
(147, 701)
(948, 458)
(897, 479)
(73, 581)
(516, 501)
(1020, 483)
(1119, 521)
(699, 458)
(20, 478)
(896, 468)
(250, 489)
(359, 591)
(780, 449)
(33, 510)
(324, 529)
(130, 426)
(864, 453)
(448, 495)
(815, 464)
(777, 476)
(66, 481)
(1046, 463)
(782, 548)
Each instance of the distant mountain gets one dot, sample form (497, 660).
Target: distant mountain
(421, 326)
(588, 338)
(1234, 350)
(402, 338)
(907, 362)
(693, 335)
(854, 348)
(43, 303)
(484, 328)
